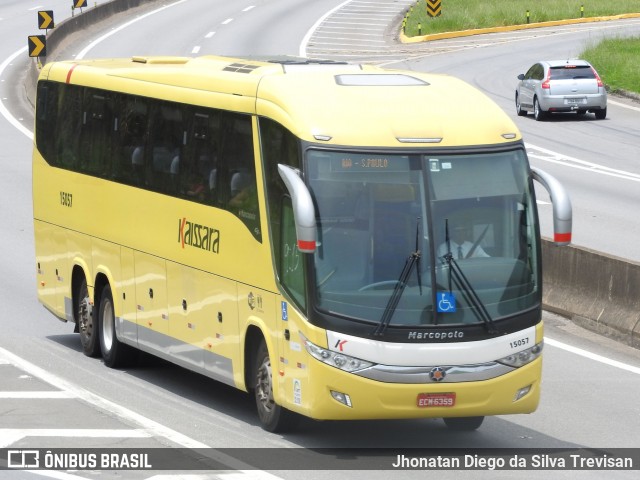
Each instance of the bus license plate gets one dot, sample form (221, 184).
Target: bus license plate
(427, 400)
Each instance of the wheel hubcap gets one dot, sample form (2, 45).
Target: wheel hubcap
(107, 326)
(264, 392)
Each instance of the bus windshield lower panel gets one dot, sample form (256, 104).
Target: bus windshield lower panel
(467, 220)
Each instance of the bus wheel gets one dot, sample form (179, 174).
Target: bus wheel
(114, 353)
(87, 327)
(463, 424)
(273, 417)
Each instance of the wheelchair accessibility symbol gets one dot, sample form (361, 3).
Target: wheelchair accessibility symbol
(446, 302)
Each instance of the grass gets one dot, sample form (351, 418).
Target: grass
(616, 60)
(469, 14)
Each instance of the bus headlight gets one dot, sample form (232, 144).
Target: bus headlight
(523, 357)
(335, 359)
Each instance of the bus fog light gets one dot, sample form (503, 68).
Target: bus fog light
(522, 392)
(343, 398)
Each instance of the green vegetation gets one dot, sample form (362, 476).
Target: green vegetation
(469, 14)
(616, 60)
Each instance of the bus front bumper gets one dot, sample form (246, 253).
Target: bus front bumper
(331, 394)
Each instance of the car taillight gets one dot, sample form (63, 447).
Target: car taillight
(600, 84)
(546, 83)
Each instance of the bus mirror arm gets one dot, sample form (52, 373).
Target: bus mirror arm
(562, 210)
(303, 209)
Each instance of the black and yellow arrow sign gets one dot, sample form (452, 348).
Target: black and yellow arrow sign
(45, 19)
(79, 3)
(38, 46)
(434, 8)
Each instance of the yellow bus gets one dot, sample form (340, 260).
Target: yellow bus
(340, 240)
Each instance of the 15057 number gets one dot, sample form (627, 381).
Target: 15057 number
(519, 343)
(66, 199)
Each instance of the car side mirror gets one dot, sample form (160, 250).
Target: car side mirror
(521, 76)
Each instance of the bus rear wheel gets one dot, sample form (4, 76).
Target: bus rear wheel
(273, 417)
(463, 424)
(114, 353)
(85, 319)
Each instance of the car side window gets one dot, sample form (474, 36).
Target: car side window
(530, 73)
(538, 73)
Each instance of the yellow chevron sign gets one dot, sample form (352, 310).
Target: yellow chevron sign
(38, 46)
(45, 19)
(79, 3)
(434, 8)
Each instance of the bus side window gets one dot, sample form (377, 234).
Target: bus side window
(237, 176)
(132, 137)
(292, 260)
(68, 127)
(97, 133)
(167, 141)
(47, 119)
(198, 169)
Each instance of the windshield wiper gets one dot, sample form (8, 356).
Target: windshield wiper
(412, 260)
(462, 282)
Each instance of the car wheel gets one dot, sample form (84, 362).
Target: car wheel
(601, 114)
(537, 111)
(519, 110)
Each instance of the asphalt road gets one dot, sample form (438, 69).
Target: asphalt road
(52, 396)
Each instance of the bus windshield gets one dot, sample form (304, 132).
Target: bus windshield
(462, 224)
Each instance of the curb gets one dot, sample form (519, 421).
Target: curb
(511, 28)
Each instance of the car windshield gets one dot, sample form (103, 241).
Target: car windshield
(379, 215)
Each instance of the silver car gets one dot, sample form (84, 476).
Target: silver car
(561, 86)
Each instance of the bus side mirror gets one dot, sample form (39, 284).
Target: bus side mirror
(304, 213)
(562, 211)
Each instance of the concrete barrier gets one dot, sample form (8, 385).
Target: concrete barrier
(597, 291)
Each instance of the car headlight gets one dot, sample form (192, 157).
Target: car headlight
(335, 359)
(523, 357)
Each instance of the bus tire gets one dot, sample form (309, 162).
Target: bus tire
(463, 424)
(273, 417)
(114, 353)
(86, 321)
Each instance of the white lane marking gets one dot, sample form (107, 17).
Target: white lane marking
(592, 356)
(3, 110)
(227, 21)
(314, 27)
(153, 428)
(210, 34)
(250, 7)
(98, 40)
(567, 161)
(623, 105)
(195, 49)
